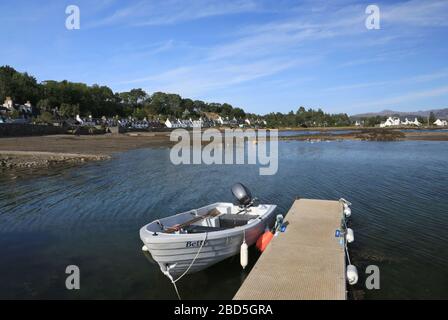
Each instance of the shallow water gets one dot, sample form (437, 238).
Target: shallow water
(424, 130)
(289, 133)
(90, 216)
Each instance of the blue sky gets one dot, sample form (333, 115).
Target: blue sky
(262, 56)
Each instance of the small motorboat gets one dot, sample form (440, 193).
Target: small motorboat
(191, 241)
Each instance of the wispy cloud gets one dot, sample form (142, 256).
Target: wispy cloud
(408, 80)
(149, 13)
(280, 36)
(429, 13)
(404, 98)
(262, 49)
(201, 78)
(324, 35)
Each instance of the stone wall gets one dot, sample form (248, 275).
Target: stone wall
(23, 130)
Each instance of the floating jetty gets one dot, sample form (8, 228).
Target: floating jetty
(307, 261)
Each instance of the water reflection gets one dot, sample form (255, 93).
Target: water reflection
(90, 216)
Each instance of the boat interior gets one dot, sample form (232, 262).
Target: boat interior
(214, 217)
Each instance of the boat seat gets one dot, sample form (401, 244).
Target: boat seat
(201, 229)
(235, 220)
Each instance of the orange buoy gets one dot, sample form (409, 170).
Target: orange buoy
(264, 240)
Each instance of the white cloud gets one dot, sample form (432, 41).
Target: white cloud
(198, 79)
(147, 13)
(280, 36)
(428, 13)
(283, 43)
(408, 80)
(414, 96)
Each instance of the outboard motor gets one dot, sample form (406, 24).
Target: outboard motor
(242, 194)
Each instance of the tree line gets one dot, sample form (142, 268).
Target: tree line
(72, 98)
(307, 118)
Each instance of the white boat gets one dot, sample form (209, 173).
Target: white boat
(194, 240)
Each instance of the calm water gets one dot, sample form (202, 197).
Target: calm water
(289, 133)
(424, 130)
(90, 216)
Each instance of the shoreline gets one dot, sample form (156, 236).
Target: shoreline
(47, 151)
(373, 135)
(32, 159)
(323, 129)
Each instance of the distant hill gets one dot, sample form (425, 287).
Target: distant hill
(439, 113)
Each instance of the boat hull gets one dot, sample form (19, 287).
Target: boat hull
(175, 252)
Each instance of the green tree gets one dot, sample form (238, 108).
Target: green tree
(134, 98)
(432, 118)
(44, 105)
(238, 113)
(45, 118)
(21, 87)
(69, 110)
(188, 104)
(139, 113)
(226, 110)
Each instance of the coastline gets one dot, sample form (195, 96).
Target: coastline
(33, 159)
(46, 151)
(374, 134)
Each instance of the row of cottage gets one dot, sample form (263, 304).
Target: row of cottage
(208, 119)
(171, 123)
(9, 106)
(397, 122)
(212, 122)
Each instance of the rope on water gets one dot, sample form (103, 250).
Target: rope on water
(348, 256)
(188, 269)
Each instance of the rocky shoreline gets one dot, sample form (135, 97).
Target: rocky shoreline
(47, 151)
(26, 159)
(375, 134)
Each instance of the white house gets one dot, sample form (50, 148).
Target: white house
(79, 120)
(168, 123)
(185, 123)
(172, 123)
(8, 104)
(395, 121)
(247, 121)
(220, 121)
(28, 105)
(406, 122)
(196, 123)
(441, 123)
(416, 123)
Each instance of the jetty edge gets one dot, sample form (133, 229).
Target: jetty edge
(307, 261)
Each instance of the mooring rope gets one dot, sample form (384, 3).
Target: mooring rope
(346, 251)
(188, 269)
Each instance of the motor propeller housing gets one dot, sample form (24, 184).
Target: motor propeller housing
(242, 195)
